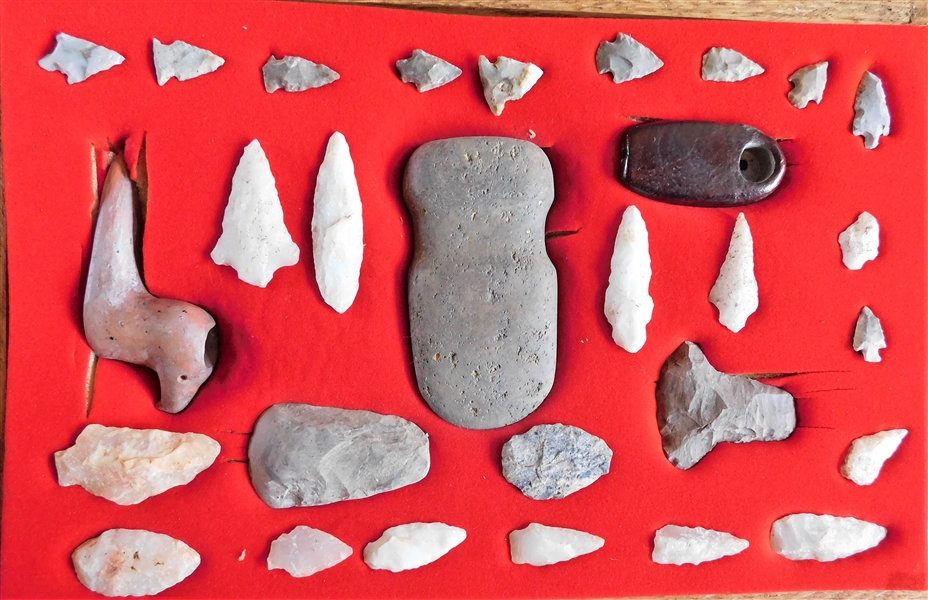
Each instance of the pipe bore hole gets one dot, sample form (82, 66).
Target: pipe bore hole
(757, 164)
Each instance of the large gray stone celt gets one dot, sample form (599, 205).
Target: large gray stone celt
(699, 406)
(482, 290)
(305, 455)
(553, 461)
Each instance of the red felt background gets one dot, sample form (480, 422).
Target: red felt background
(283, 343)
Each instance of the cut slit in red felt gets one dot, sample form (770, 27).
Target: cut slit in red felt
(283, 343)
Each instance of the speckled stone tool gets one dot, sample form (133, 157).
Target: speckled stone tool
(700, 163)
(482, 291)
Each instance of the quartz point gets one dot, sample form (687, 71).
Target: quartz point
(127, 465)
(426, 71)
(506, 79)
(338, 230)
(124, 321)
(699, 406)
(183, 61)
(735, 290)
(554, 461)
(79, 59)
(254, 241)
(626, 58)
(724, 64)
(860, 242)
(295, 74)
(540, 545)
(628, 304)
(676, 545)
(133, 562)
(867, 454)
(871, 114)
(868, 336)
(305, 551)
(824, 538)
(305, 455)
(808, 84)
(412, 546)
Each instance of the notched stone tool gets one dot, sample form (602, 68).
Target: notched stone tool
(698, 163)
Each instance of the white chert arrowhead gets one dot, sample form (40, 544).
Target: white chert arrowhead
(426, 71)
(540, 545)
(735, 290)
(295, 74)
(411, 546)
(129, 465)
(79, 59)
(338, 230)
(675, 545)
(183, 61)
(868, 336)
(133, 562)
(724, 64)
(867, 454)
(506, 79)
(871, 114)
(860, 242)
(823, 538)
(626, 58)
(254, 241)
(808, 84)
(628, 304)
(305, 551)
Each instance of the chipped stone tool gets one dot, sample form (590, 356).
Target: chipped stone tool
(79, 59)
(808, 84)
(868, 336)
(123, 321)
(676, 545)
(626, 58)
(482, 291)
(699, 163)
(306, 551)
(412, 546)
(133, 562)
(539, 545)
(860, 242)
(506, 79)
(183, 61)
(628, 304)
(128, 466)
(305, 455)
(699, 406)
(553, 461)
(295, 74)
(426, 71)
(871, 113)
(727, 65)
(867, 454)
(735, 291)
(824, 538)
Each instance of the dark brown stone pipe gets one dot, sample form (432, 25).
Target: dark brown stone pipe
(123, 321)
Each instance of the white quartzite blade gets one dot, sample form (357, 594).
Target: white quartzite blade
(675, 545)
(338, 230)
(540, 545)
(628, 304)
(735, 290)
(867, 454)
(412, 546)
(129, 465)
(823, 538)
(305, 551)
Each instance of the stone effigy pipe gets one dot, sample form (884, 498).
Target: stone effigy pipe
(123, 321)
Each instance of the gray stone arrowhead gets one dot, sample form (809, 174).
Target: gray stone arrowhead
(426, 71)
(304, 455)
(626, 58)
(295, 74)
(554, 461)
(699, 406)
(868, 335)
(871, 113)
